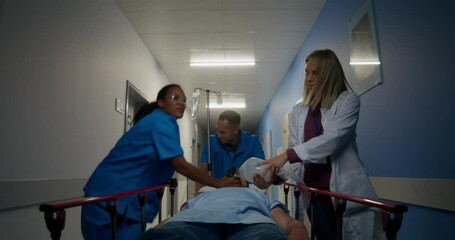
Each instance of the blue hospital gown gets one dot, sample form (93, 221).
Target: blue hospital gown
(238, 205)
(224, 213)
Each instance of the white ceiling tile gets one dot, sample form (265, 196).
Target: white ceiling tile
(172, 56)
(186, 4)
(275, 54)
(176, 21)
(184, 41)
(261, 40)
(304, 19)
(310, 4)
(263, 4)
(258, 20)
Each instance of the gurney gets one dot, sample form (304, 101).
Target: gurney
(230, 213)
(54, 212)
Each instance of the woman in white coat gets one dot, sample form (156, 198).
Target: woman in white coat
(322, 146)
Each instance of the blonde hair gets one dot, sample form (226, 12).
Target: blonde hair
(330, 81)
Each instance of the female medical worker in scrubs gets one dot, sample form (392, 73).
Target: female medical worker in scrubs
(146, 155)
(322, 146)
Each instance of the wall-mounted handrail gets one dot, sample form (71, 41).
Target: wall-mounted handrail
(54, 212)
(392, 214)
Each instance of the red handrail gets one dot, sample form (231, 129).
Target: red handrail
(54, 212)
(392, 214)
(75, 202)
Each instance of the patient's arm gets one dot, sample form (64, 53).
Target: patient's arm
(293, 228)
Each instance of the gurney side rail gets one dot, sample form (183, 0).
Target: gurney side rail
(54, 212)
(392, 214)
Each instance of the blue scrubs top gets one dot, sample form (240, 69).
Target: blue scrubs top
(223, 158)
(141, 158)
(229, 205)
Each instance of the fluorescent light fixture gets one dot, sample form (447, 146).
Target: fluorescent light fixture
(222, 64)
(228, 105)
(365, 63)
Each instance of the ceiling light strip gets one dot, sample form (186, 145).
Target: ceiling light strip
(221, 64)
(228, 105)
(365, 63)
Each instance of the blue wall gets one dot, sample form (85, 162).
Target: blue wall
(405, 124)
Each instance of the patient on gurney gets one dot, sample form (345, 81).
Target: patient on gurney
(230, 213)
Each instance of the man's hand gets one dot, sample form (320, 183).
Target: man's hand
(229, 182)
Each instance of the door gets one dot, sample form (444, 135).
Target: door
(135, 99)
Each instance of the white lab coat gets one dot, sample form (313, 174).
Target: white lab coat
(348, 176)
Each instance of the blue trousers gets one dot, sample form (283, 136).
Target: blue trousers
(214, 231)
(325, 219)
(95, 224)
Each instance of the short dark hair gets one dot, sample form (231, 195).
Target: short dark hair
(232, 117)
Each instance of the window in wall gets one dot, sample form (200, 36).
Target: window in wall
(365, 61)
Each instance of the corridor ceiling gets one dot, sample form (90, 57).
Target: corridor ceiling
(268, 32)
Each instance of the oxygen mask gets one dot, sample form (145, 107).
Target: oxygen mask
(249, 169)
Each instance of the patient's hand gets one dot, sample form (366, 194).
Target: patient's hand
(294, 229)
(298, 233)
(230, 182)
(244, 182)
(260, 181)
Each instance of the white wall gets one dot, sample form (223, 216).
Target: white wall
(62, 65)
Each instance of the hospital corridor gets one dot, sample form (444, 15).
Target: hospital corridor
(227, 119)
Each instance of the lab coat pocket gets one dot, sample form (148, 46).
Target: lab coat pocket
(355, 183)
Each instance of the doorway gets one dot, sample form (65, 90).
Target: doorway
(135, 99)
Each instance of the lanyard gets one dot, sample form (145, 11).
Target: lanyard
(316, 126)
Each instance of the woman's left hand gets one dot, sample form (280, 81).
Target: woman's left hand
(273, 164)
